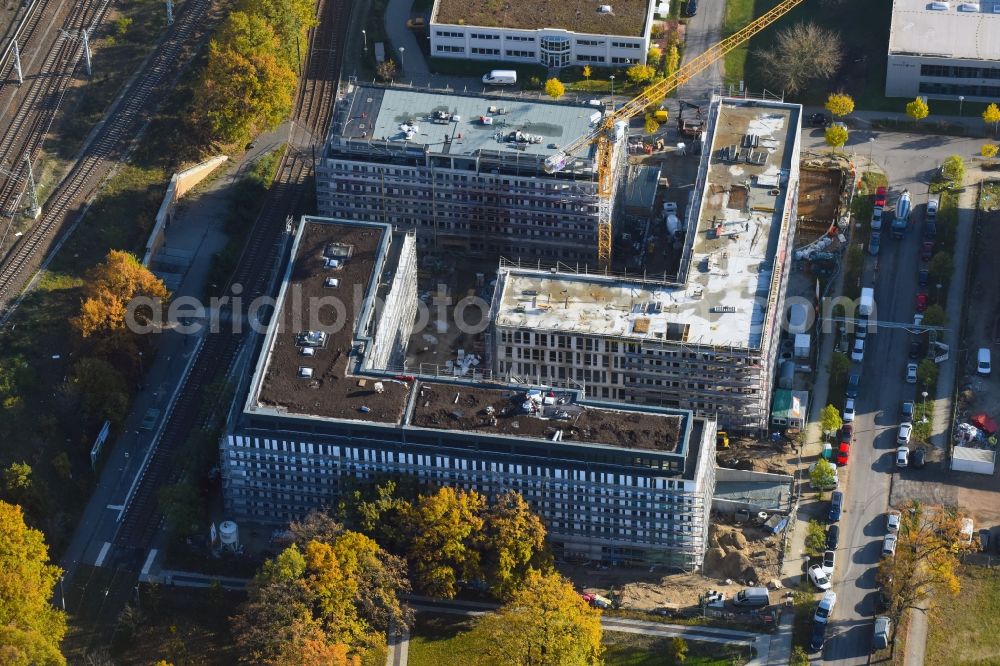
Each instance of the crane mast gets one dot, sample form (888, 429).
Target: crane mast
(604, 133)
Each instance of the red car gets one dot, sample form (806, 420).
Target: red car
(843, 453)
(926, 250)
(880, 196)
(921, 302)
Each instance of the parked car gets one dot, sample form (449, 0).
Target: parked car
(847, 432)
(883, 630)
(877, 218)
(825, 607)
(923, 277)
(906, 412)
(817, 637)
(902, 457)
(848, 416)
(836, 505)
(984, 540)
(984, 364)
(832, 537)
(911, 373)
(818, 578)
(819, 120)
(904, 433)
(858, 352)
(882, 601)
(892, 520)
(889, 545)
(917, 459)
(829, 561)
(918, 319)
(926, 250)
(418, 22)
(932, 209)
(843, 454)
(691, 8)
(916, 349)
(853, 382)
(874, 243)
(930, 230)
(921, 303)
(880, 195)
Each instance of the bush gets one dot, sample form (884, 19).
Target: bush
(815, 538)
(839, 104)
(927, 373)
(554, 88)
(835, 136)
(953, 170)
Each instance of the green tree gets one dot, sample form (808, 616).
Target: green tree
(677, 650)
(953, 170)
(917, 109)
(989, 150)
(546, 623)
(100, 389)
(935, 316)
(654, 57)
(122, 24)
(991, 116)
(248, 84)
(554, 88)
(941, 267)
(673, 60)
(829, 419)
(31, 628)
(290, 20)
(446, 531)
(183, 509)
(835, 136)
(823, 474)
(640, 73)
(840, 364)
(840, 104)
(927, 373)
(815, 538)
(799, 657)
(513, 544)
(650, 125)
(386, 70)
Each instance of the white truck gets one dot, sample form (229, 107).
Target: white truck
(867, 302)
(500, 77)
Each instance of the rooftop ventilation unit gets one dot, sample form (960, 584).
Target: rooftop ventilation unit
(305, 372)
(308, 351)
(604, 9)
(939, 6)
(996, 9)
(969, 7)
(331, 282)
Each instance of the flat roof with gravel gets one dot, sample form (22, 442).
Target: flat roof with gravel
(627, 18)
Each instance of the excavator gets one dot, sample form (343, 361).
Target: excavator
(613, 127)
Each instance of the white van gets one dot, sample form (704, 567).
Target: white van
(500, 77)
(983, 366)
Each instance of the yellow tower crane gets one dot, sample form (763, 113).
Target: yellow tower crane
(603, 133)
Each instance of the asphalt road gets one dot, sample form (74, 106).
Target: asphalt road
(703, 30)
(909, 161)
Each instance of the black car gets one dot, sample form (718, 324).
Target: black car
(818, 636)
(881, 601)
(691, 8)
(930, 230)
(915, 349)
(819, 120)
(832, 537)
(984, 540)
(917, 458)
(906, 412)
(923, 277)
(853, 382)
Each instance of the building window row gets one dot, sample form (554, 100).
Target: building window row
(589, 58)
(960, 72)
(520, 38)
(955, 89)
(448, 33)
(590, 42)
(446, 48)
(520, 54)
(626, 45)
(481, 51)
(483, 35)
(617, 60)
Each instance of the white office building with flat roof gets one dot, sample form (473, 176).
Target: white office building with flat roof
(944, 50)
(554, 34)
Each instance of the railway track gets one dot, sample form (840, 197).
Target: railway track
(108, 147)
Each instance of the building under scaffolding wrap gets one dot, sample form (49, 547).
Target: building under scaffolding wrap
(465, 172)
(708, 342)
(625, 484)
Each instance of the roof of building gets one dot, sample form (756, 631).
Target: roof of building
(790, 404)
(968, 30)
(541, 414)
(724, 297)
(627, 18)
(640, 186)
(336, 389)
(329, 391)
(452, 124)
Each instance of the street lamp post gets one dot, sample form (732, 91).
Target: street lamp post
(871, 147)
(402, 63)
(612, 77)
(961, 100)
(364, 36)
(924, 420)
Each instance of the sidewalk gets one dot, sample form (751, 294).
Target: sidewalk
(413, 67)
(973, 124)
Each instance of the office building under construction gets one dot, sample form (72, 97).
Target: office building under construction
(466, 172)
(615, 483)
(708, 342)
